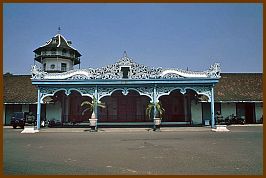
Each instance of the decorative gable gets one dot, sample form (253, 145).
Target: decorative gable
(126, 68)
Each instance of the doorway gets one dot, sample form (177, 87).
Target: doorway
(124, 108)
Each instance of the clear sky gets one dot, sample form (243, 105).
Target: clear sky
(157, 35)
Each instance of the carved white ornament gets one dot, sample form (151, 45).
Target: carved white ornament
(166, 90)
(51, 91)
(146, 91)
(107, 91)
(137, 71)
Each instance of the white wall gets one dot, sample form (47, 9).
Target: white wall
(228, 109)
(57, 63)
(196, 113)
(54, 111)
(258, 111)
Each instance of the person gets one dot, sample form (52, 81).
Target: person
(30, 118)
(219, 117)
(42, 123)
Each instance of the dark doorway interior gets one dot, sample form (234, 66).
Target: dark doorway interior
(177, 106)
(124, 108)
(33, 109)
(71, 106)
(250, 113)
(246, 110)
(75, 110)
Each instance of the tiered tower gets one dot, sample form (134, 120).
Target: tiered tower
(57, 55)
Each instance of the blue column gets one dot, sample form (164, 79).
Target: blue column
(39, 110)
(154, 101)
(96, 105)
(212, 108)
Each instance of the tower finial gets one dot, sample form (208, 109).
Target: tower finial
(59, 29)
(125, 54)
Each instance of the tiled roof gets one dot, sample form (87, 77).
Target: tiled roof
(231, 87)
(18, 89)
(60, 42)
(239, 87)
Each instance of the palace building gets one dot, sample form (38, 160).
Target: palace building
(56, 89)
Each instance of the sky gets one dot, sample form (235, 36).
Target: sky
(185, 36)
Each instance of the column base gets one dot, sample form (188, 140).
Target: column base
(156, 128)
(29, 130)
(93, 129)
(221, 128)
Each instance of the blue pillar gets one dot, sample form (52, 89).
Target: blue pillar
(212, 108)
(154, 107)
(96, 105)
(39, 110)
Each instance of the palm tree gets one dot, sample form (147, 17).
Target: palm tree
(92, 107)
(159, 110)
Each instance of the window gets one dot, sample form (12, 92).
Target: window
(63, 66)
(64, 52)
(71, 54)
(44, 66)
(69, 43)
(43, 52)
(53, 51)
(125, 71)
(54, 40)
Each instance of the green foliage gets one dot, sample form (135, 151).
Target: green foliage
(92, 105)
(159, 110)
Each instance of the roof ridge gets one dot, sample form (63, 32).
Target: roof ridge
(60, 35)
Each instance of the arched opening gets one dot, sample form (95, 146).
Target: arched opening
(66, 109)
(54, 106)
(178, 106)
(75, 109)
(124, 108)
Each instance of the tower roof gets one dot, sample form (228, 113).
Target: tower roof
(58, 41)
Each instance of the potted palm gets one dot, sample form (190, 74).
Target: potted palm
(157, 115)
(92, 107)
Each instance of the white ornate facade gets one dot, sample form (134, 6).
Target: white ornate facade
(125, 76)
(136, 71)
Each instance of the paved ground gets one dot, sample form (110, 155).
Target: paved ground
(113, 151)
